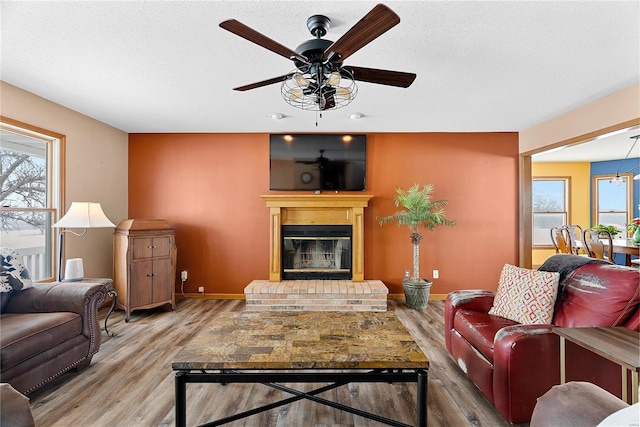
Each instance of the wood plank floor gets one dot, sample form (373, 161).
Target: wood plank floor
(130, 381)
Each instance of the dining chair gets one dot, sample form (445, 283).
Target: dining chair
(599, 244)
(561, 239)
(554, 238)
(575, 235)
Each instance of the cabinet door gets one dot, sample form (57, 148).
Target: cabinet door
(162, 246)
(162, 280)
(142, 247)
(141, 283)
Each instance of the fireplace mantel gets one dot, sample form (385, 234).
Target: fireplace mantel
(316, 209)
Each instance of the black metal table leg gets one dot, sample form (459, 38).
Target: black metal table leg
(422, 398)
(114, 296)
(181, 399)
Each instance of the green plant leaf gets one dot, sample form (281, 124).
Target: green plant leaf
(419, 209)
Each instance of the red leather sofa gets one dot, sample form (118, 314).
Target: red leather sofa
(514, 364)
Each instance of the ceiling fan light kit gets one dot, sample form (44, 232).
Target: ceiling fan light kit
(319, 91)
(320, 81)
(618, 180)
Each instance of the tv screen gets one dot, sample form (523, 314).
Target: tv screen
(328, 162)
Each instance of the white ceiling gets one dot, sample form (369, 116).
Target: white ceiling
(166, 66)
(612, 146)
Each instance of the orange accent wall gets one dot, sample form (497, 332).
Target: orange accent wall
(208, 187)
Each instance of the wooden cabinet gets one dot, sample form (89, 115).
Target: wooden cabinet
(144, 264)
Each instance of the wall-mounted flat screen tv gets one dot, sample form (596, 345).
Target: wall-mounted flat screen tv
(327, 162)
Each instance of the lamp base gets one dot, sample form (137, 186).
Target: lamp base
(74, 270)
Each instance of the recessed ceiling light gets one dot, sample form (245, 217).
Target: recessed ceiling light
(277, 116)
(356, 116)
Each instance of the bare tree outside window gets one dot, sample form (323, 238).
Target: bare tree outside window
(26, 211)
(22, 185)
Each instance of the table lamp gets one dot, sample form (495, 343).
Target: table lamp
(80, 215)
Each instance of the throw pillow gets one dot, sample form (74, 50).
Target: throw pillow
(13, 274)
(526, 296)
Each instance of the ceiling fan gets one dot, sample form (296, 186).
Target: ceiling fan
(320, 81)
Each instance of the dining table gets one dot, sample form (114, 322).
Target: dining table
(628, 247)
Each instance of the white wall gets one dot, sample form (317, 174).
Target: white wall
(96, 169)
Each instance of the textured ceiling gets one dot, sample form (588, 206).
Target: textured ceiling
(147, 66)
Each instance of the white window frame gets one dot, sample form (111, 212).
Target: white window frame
(627, 178)
(55, 188)
(566, 212)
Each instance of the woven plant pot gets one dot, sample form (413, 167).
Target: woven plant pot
(416, 294)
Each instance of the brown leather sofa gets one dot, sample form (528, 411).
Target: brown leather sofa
(514, 364)
(48, 329)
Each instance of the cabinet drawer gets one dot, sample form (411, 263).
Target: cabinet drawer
(142, 247)
(146, 247)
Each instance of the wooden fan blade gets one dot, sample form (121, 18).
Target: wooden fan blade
(382, 77)
(248, 33)
(264, 83)
(378, 21)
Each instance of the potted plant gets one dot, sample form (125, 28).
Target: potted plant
(419, 210)
(612, 229)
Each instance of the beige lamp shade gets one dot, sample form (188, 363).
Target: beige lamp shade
(84, 215)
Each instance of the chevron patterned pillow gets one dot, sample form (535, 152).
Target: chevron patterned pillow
(526, 296)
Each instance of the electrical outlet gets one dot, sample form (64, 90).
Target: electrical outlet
(436, 274)
(406, 274)
(183, 275)
(201, 289)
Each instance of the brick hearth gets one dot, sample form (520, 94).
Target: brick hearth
(316, 295)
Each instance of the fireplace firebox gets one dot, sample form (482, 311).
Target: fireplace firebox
(320, 252)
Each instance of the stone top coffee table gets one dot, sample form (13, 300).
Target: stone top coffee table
(302, 347)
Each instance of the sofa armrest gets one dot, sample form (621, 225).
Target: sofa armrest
(82, 298)
(526, 363)
(475, 300)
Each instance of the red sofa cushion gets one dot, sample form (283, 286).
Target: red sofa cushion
(598, 295)
(479, 329)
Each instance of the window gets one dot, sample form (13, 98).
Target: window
(612, 202)
(30, 194)
(550, 207)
